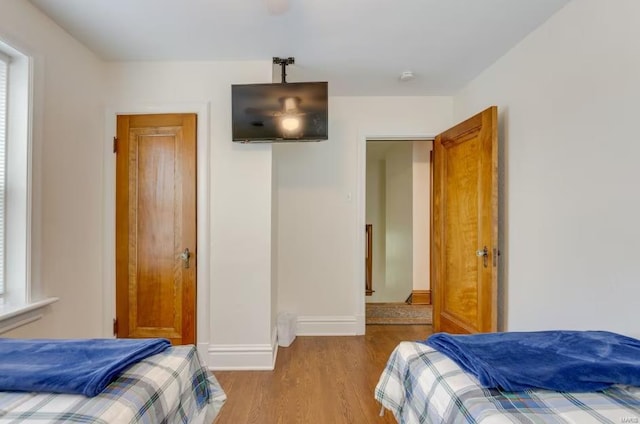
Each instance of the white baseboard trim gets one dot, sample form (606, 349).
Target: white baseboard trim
(328, 325)
(361, 325)
(274, 346)
(241, 357)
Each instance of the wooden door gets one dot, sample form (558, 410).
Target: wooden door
(465, 226)
(155, 225)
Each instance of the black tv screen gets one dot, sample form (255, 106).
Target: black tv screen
(291, 111)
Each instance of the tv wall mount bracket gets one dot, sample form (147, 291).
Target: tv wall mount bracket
(283, 62)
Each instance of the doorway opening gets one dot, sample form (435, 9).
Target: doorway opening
(464, 235)
(397, 215)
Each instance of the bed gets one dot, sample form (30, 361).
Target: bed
(168, 387)
(422, 385)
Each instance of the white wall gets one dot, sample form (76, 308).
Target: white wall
(239, 306)
(399, 222)
(421, 168)
(72, 94)
(568, 101)
(68, 130)
(320, 229)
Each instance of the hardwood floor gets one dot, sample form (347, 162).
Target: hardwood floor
(317, 380)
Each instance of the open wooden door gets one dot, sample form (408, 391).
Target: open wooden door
(465, 226)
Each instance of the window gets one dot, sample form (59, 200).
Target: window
(18, 305)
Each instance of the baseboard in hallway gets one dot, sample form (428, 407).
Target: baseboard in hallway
(398, 313)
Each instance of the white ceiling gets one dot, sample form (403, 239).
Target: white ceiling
(359, 46)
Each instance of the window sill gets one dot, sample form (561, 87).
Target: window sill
(14, 316)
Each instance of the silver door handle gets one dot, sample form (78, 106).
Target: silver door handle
(185, 255)
(484, 254)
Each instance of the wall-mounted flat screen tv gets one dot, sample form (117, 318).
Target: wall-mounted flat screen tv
(279, 112)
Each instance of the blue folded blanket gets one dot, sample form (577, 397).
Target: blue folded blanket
(70, 366)
(570, 361)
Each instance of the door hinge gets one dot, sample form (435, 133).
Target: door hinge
(115, 144)
(115, 326)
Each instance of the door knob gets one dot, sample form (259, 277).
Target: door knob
(185, 255)
(484, 254)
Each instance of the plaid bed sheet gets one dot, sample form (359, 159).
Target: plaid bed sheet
(170, 387)
(421, 385)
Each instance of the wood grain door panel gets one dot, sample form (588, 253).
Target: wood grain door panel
(465, 221)
(460, 299)
(155, 222)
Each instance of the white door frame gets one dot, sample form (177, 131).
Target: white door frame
(202, 110)
(361, 187)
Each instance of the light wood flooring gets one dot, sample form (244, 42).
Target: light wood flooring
(317, 380)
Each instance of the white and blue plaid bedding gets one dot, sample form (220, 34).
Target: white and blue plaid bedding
(170, 387)
(421, 385)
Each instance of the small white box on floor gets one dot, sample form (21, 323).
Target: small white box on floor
(286, 328)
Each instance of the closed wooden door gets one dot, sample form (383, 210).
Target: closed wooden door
(156, 227)
(465, 226)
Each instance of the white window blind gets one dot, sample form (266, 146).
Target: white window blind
(4, 81)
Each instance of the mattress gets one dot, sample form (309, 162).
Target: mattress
(421, 385)
(170, 387)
